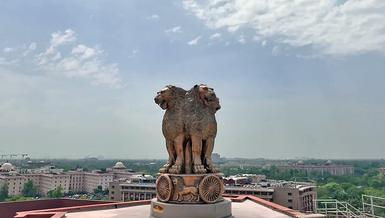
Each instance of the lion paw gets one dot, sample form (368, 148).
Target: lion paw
(176, 169)
(199, 169)
(212, 169)
(164, 168)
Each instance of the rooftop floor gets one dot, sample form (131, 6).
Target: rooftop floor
(243, 206)
(246, 209)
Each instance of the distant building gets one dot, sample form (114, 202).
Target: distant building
(327, 168)
(49, 182)
(7, 167)
(382, 171)
(243, 179)
(295, 195)
(140, 187)
(49, 178)
(94, 179)
(236, 180)
(258, 191)
(120, 171)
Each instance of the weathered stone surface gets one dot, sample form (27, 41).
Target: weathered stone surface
(189, 127)
(189, 184)
(167, 210)
(190, 188)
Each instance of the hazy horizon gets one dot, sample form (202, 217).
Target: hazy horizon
(256, 158)
(295, 78)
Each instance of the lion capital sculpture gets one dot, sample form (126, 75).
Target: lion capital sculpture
(189, 127)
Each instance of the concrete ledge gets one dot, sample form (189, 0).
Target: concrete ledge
(271, 205)
(168, 210)
(41, 215)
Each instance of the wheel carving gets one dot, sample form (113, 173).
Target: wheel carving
(211, 189)
(164, 188)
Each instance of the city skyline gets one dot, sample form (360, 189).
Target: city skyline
(295, 79)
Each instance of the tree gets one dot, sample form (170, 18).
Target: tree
(4, 192)
(56, 193)
(98, 190)
(29, 189)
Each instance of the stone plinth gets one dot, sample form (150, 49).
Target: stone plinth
(190, 188)
(220, 209)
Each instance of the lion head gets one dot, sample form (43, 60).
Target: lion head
(168, 96)
(214, 105)
(207, 96)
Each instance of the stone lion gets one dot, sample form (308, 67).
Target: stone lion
(201, 126)
(171, 99)
(189, 127)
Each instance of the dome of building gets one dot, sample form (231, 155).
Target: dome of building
(6, 167)
(119, 165)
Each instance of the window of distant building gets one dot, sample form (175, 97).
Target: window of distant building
(290, 200)
(289, 194)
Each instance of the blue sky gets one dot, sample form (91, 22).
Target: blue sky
(295, 79)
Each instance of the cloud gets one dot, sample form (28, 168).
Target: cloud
(83, 52)
(175, 29)
(242, 39)
(58, 38)
(81, 61)
(65, 56)
(330, 27)
(32, 46)
(8, 49)
(215, 36)
(194, 41)
(133, 54)
(153, 17)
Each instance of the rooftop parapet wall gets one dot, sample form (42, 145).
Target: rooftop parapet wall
(9, 209)
(97, 205)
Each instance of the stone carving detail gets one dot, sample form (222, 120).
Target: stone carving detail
(184, 193)
(211, 189)
(164, 188)
(190, 188)
(189, 127)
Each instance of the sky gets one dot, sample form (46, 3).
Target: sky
(296, 79)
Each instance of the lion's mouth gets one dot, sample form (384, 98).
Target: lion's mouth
(163, 104)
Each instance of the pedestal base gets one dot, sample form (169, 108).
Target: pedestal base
(168, 210)
(190, 188)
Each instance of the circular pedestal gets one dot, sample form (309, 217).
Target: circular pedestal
(190, 188)
(167, 210)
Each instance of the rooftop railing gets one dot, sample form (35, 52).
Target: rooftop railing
(338, 209)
